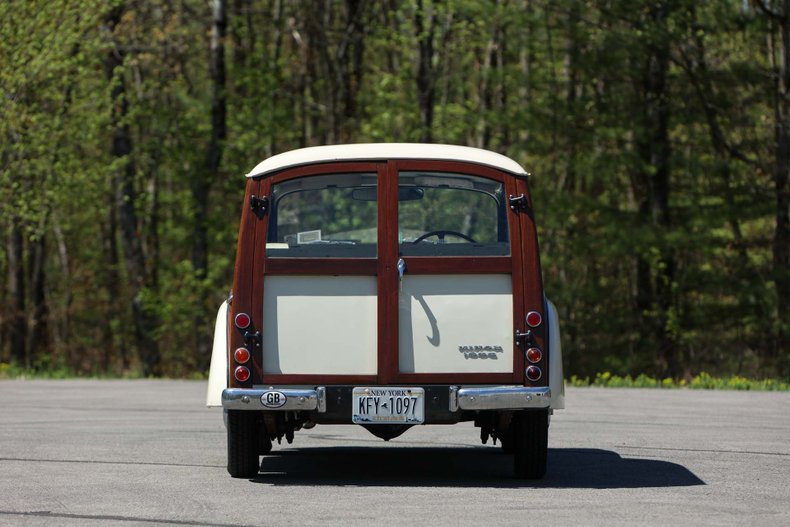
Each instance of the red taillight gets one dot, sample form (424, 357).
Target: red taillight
(534, 319)
(534, 355)
(242, 321)
(241, 373)
(241, 355)
(533, 373)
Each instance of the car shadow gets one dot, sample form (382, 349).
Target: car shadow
(465, 467)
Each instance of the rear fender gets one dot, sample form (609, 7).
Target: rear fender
(556, 378)
(218, 370)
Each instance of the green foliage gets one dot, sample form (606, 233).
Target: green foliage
(557, 85)
(702, 381)
(44, 370)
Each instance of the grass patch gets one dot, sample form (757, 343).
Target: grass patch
(703, 381)
(12, 371)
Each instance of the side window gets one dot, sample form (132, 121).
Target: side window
(324, 217)
(445, 214)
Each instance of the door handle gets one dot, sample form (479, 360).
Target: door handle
(401, 271)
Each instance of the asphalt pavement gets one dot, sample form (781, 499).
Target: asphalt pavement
(123, 453)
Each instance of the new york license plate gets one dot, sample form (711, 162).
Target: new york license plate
(388, 405)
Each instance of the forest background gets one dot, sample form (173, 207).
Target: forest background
(656, 133)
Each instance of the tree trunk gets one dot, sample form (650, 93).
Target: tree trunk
(554, 87)
(425, 71)
(111, 338)
(486, 86)
(202, 184)
(654, 151)
(781, 242)
(61, 325)
(568, 179)
(37, 342)
(320, 24)
(526, 60)
(351, 64)
(17, 325)
(121, 148)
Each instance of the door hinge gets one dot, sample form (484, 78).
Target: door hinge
(518, 203)
(524, 340)
(259, 206)
(253, 340)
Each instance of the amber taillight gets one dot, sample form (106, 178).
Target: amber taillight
(534, 355)
(241, 355)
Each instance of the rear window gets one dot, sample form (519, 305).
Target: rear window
(439, 214)
(324, 217)
(452, 215)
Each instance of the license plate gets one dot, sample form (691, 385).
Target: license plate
(387, 405)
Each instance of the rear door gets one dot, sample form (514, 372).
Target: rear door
(456, 289)
(316, 272)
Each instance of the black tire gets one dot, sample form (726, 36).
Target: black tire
(506, 441)
(531, 443)
(242, 444)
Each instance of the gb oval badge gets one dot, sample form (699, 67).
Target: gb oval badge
(273, 399)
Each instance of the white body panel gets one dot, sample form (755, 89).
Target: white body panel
(379, 151)
(320, 325)
(218, 370)
(440, 315)
(556, 378)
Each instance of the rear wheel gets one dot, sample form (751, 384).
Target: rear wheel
(242, 444)
(506, 441)
(530, 443)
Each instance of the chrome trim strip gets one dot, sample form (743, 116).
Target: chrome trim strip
(453, 398)
(250, 399)
(502, 398)
(321, 393)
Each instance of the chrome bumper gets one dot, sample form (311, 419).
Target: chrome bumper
(472, 398)
(498, 398)
(256, 399)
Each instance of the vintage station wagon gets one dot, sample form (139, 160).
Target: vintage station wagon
(388, 286)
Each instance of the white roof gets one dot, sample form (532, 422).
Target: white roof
(381, 151)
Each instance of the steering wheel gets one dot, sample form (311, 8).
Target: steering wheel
(442, 233)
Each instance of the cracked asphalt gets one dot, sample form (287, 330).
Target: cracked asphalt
(82, 452)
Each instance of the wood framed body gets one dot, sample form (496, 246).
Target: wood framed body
(243, 300)
(252, 266)
(532, 279)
